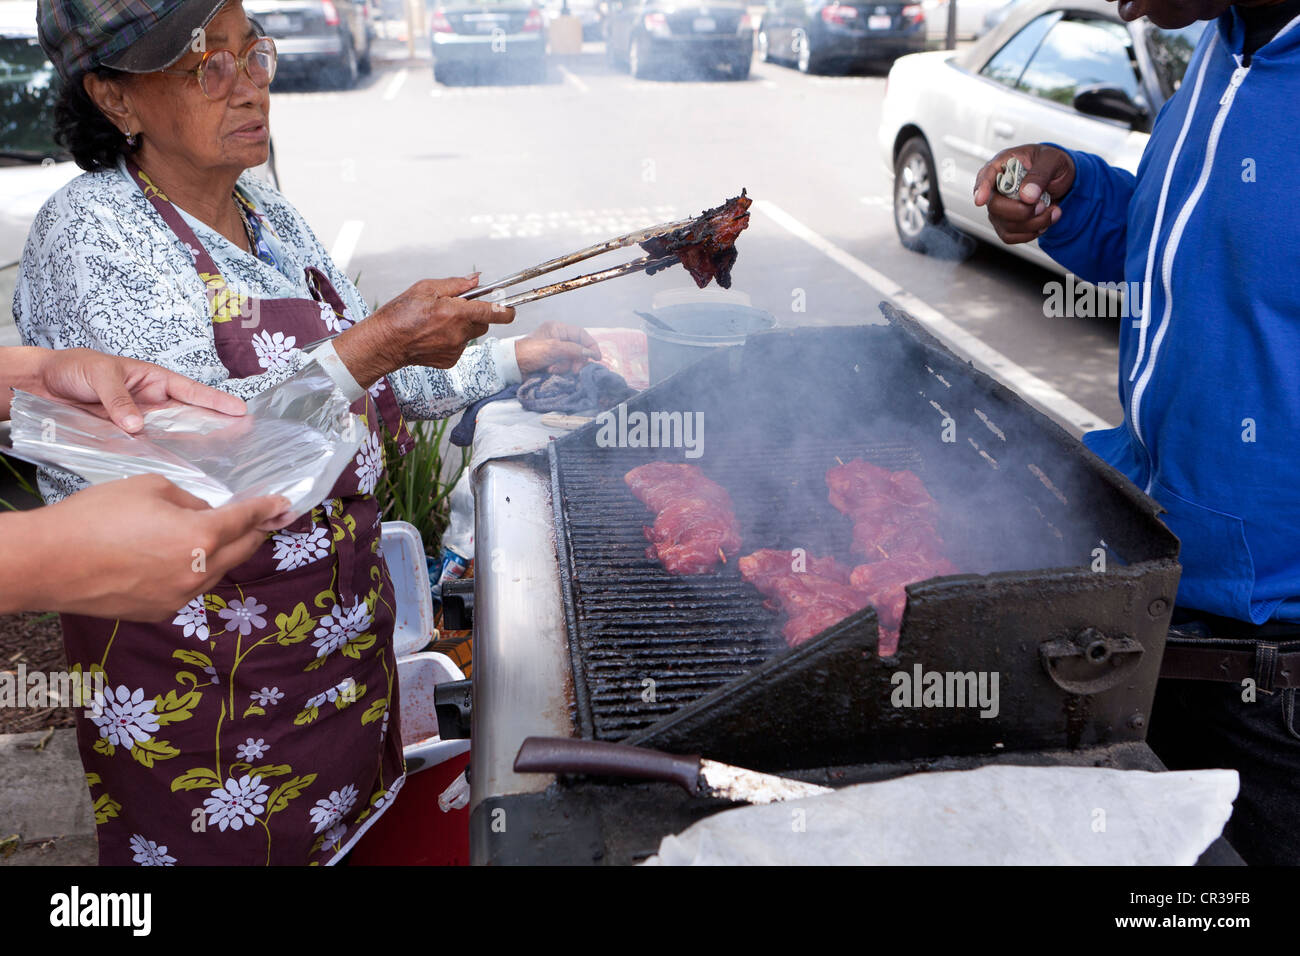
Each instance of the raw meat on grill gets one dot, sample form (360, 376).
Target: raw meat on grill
(886, 581)
(882, 537)
(809, 624)
(695, 525)
(853, 483)
(659, 483)
(815, 596)
(768, 562)
(890, 510)
(899, 570)
(893, 529)
(706, 246)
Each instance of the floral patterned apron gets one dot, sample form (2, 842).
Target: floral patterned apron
(261, 725)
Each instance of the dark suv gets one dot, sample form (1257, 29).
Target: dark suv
(820, 35)
(647, 35)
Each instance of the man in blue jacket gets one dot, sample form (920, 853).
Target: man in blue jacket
(1209, 379)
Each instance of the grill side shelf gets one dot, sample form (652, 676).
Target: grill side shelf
(564, 552)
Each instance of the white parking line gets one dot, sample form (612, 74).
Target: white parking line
(574, 79)
(395, 84)
(964, 343)
(346, 243)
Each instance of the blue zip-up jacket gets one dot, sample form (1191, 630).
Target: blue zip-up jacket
(1209, 372)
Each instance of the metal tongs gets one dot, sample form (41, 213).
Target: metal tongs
(647, 262)
(651, 263)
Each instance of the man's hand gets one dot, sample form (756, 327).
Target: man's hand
(136, 549)
(110, 384)
(557, 348)
(1024, 219)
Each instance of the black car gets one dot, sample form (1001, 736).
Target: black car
(821, 35)
(649, 35)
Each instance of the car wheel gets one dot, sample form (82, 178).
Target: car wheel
(365, 64)
(611, 55)
(763, 47)
(638, 64)
(918, 209)
(442, 73)
(345, 71)
(740, 69)
(807, 61)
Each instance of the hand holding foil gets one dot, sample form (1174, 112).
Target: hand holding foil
(295, 440)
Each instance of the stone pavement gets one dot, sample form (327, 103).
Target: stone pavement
(45, 809)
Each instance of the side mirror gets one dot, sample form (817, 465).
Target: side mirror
(1110, 102)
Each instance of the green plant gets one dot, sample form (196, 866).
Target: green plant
(415, 487)
(23, 484)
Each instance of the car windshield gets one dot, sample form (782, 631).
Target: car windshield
(28, 89)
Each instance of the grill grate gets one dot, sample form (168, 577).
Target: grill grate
(645, 642)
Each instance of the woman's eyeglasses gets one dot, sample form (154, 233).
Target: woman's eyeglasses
(218, 69)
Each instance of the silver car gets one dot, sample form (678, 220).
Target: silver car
(1062, 71)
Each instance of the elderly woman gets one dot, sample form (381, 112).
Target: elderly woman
(260, 725)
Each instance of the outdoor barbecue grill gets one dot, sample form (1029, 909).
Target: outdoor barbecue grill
(1067, 585)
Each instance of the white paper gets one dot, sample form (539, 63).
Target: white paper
(995, 815)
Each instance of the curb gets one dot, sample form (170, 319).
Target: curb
(45, 812)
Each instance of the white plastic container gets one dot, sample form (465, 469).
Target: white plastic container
(403, 551)
(417, 676)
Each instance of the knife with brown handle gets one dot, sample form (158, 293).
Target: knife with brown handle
(694, 774)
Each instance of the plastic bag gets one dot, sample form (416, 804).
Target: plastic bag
(295, 440)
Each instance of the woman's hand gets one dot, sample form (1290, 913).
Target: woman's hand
(557, 348)
(426, 325)
(1024, 219)
(136, 549)
(108, 383)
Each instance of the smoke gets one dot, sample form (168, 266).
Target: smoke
(1014, 491)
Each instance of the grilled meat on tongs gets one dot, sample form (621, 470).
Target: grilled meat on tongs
(706, 246)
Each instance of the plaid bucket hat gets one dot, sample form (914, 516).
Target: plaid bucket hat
(138, 36)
